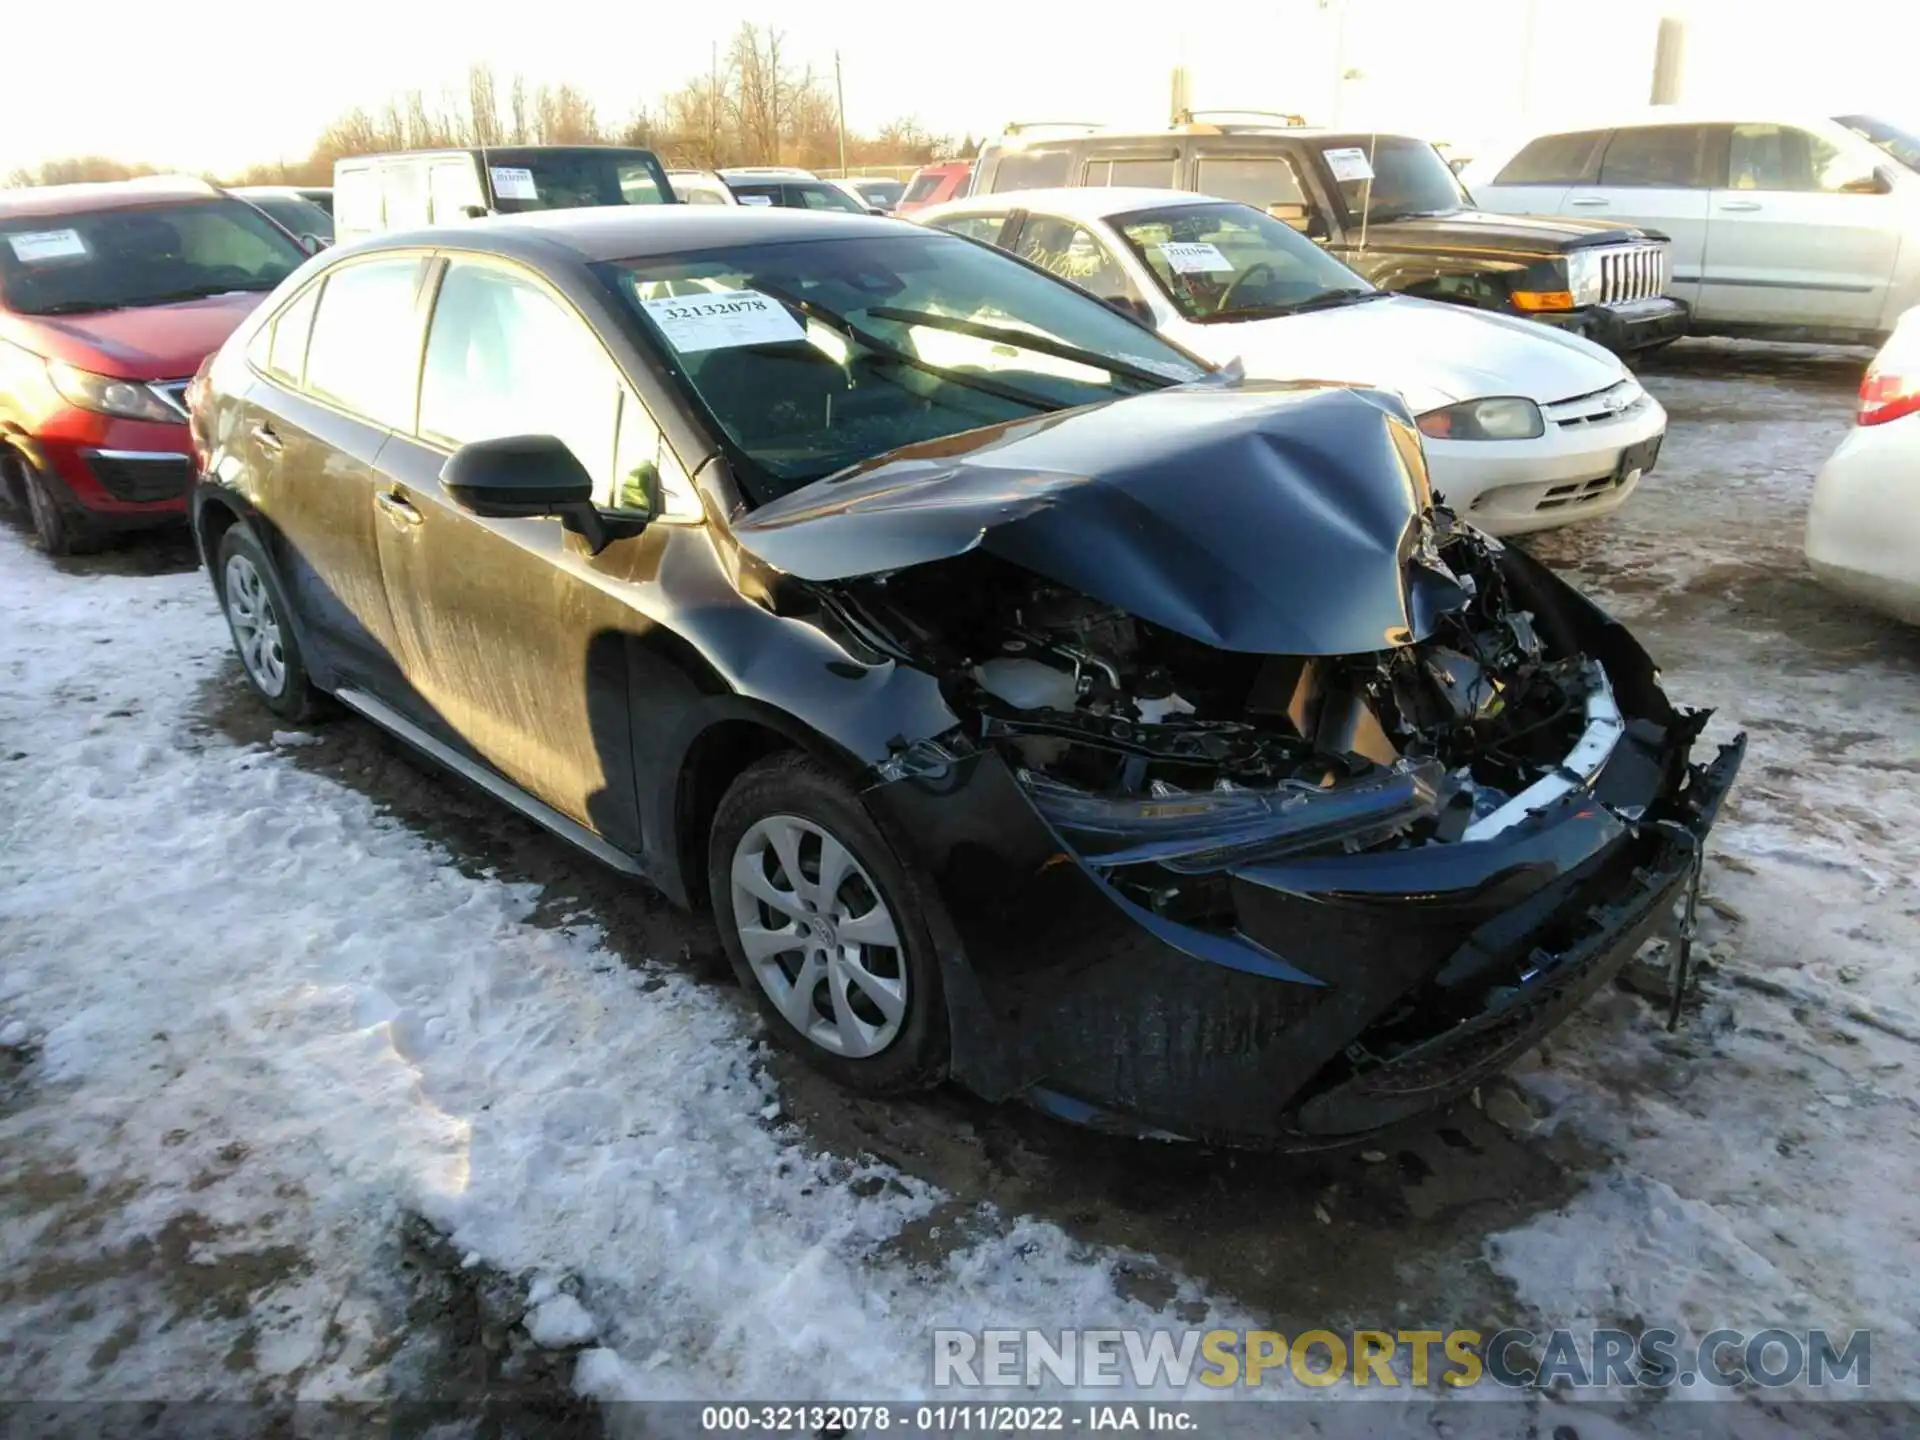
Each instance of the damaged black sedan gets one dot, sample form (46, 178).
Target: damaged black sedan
(1032, 705)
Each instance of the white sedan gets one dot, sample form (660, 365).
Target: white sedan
(1525, 427)
(1863, 528)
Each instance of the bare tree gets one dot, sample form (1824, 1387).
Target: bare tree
(483, 109)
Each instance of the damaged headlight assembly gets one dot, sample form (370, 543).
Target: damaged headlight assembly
(1190, 830)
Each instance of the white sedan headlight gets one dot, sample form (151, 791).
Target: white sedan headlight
(1500, 417)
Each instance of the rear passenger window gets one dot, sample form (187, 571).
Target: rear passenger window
(1032, 169)
(287, 354)
(1668, 156)
(1555, 160)
(1155, 172)
(1256, 180)
(365, 349)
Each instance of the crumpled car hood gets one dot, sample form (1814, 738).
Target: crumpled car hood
(1266, 518)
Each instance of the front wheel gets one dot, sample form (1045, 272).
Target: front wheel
(61, 530)
(825, 928)
(257, 614)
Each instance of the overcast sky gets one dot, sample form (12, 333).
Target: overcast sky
(219, 84)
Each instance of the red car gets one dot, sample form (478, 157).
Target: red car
(935, 184)
(110, 296)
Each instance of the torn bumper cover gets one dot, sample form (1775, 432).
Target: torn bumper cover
(1303, 1001)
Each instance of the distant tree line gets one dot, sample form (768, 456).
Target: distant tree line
(753, 106)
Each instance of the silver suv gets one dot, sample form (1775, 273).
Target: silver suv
(1781, 228)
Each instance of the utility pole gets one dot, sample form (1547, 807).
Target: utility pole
(840, 113)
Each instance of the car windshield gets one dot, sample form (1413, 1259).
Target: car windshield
(1902, 144)
(1408, 178)
(140, 255)
(298, 215)
(810, 356)
(1226, 262)
(574, 179)
(796, 195)
(881, 192)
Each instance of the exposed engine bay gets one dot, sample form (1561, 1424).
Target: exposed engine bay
(1141, 744)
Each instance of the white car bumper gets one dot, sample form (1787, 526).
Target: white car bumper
(1573, 472)
(1863, 527)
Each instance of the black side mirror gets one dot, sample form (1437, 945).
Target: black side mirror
(1875, 183)
(312, 244)
(518, 477)
(1132, 307)
(474, 212)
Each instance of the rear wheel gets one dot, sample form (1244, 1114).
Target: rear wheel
(825, 928)
(257, 614)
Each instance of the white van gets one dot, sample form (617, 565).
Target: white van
(410, 188)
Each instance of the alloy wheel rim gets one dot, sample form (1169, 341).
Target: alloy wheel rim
(256, 626)
(819, 937)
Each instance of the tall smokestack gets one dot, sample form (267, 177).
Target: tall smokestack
(1669, 60)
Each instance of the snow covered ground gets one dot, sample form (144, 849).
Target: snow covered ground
(253, 1018)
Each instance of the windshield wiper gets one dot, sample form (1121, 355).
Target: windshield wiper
(834, 320)
(77, 307)
(1325, 300)
(201, 292)
(1025, 339)
(1387, 217)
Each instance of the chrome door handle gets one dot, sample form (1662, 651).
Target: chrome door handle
(1590, 200)
(268, 441)
(1740, 205)
(396, 508)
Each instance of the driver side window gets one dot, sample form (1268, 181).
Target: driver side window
(1073, 253)
(505, 358)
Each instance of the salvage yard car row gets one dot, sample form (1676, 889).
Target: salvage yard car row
(1023, 639)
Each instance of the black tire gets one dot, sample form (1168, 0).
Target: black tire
(13, 482)
(296, 698)
(794, 786)
(61, 529)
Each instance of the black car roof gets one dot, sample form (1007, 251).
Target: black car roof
(626, 232)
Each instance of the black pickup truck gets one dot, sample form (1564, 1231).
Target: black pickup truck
(1387, 205)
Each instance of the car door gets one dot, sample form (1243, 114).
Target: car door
(509, 627)
(337, 376)
(1659, 177)
(1800, 231)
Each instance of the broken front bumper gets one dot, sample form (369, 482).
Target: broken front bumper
(1300, 1002)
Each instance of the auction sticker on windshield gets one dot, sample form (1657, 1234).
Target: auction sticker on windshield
(1195, 257)
(1349, 162)
(514, 182)
(32, 246)
(756, 199)
(722, 320)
